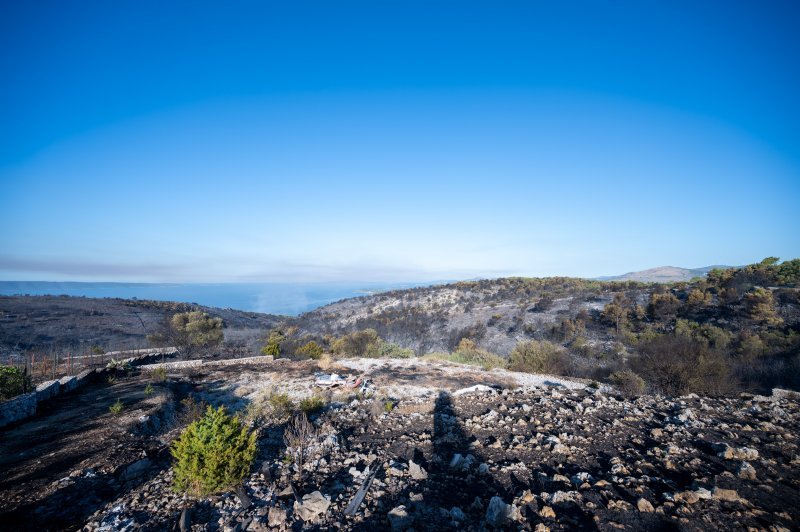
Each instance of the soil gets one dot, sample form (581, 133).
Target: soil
(70, 459)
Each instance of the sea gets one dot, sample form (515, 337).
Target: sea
(288, 299)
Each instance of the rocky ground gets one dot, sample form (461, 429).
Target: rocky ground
(534, 457)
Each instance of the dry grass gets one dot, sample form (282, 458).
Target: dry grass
(325, 362)
(405, 409)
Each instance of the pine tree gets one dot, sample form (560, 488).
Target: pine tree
(213, 454)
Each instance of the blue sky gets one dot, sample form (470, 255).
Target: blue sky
(394, 141)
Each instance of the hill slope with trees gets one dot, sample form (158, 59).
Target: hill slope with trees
(736, 328)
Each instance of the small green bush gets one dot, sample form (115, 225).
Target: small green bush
(119, 365)
(148, 390)
(212, 454)
(539, 357)
(467, 352)
(273, 347)
(310, 350)
(312, 404)
(388, 350)
(13, 381)
(116, 408)
(627, 382)
(356, 344)
(281, 403)
(159, 374)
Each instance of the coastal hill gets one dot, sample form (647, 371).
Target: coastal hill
(664, 274)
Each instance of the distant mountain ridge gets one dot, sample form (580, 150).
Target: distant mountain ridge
(664, 274)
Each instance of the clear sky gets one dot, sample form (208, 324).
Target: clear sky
(395, 141)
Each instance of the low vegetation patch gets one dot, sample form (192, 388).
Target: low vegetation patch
(311, 405)
(13, 382)
(116, 408)
(159, 374)
(468, 353)
(627, 382)
(539, 357)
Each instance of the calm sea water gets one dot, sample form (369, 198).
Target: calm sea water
(273, 298)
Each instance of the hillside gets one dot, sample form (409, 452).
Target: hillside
(744, 323)
(78, 323)
(664, 274)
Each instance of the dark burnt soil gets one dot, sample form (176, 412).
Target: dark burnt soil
(75, 455)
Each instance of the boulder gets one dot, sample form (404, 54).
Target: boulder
(734, 453)
(399, 519)
(746, 471)
(312, 505)
(644, 506)
(726, 495)
(276, 516)
(499, 514)
(416, 471)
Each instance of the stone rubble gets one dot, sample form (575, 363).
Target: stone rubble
(540, 458)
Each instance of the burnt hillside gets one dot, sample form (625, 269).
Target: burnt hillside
(63, 322)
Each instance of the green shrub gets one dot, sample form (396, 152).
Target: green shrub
(13, 381)
(312, 404)
(148, 390)
(119, 365)
(311, 350)
(212, 454)
(468, 353)
(159, 374)
(388, 350)
(281, 403)
(273, 347)
(116, 408)
(356, 344)
(539, 357)
(627, 382)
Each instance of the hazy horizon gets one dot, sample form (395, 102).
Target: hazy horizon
(271, 298)
(394, 142)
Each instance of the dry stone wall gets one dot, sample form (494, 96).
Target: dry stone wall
(24, 406)
(183, 364)
(18, 408)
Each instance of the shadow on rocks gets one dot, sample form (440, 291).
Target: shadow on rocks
(458, 488)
